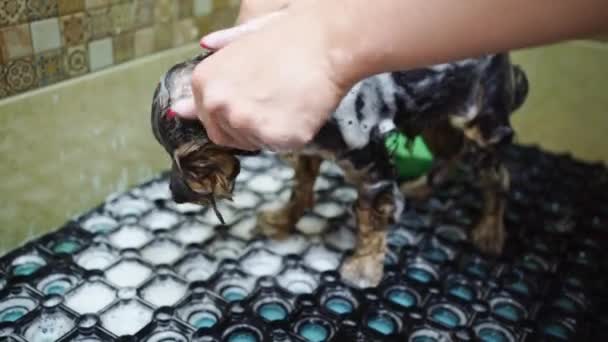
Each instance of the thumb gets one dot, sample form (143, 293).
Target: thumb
(219, 39)
(185, 108)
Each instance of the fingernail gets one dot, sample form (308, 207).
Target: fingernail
(184, 108)
(171, 113)
(204, 45)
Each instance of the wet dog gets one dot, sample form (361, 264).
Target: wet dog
(459, 109)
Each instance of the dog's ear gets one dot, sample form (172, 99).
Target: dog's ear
(521, 87)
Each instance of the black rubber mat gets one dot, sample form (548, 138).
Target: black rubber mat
(142, 268)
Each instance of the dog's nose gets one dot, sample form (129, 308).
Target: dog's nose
(503, 135)
(177, 191)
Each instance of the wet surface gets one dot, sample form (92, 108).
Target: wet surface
(143, 267)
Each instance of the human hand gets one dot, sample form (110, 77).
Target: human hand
(252, 95)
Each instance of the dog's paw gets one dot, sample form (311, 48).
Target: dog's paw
(489, 235)
(275, 224)
(363, 271)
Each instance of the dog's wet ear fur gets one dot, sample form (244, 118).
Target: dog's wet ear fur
(207, 169)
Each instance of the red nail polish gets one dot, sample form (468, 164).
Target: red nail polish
(171, 113)
(204, 46)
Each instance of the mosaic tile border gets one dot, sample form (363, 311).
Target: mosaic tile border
(44, 42)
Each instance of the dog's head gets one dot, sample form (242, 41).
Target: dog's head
(500, 89)
(201, 171)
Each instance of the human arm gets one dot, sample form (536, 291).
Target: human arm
(276, 87)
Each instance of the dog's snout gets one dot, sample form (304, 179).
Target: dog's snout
(178, 189)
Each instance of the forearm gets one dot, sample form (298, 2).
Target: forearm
(366, 38)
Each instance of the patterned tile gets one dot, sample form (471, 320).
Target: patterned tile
(165, 11)
(203, 7)
(123, 17)
(49, 67)
(99, 22)
(100, 54)
(45, 41)
(45, 35)
(20, 75)
(74, 29)
(16, 41)
(144, 13)
(12, 12)
(144, 41)
(75, 61)
(70, 6)
(184, 31)
(124, 47)
(96, 3)
(185, 8)
(41, 9)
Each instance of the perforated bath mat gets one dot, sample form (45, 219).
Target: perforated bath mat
(141, 268)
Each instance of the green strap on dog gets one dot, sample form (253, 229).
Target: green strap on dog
(412, 157)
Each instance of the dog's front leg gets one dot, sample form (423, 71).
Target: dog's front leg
(377, 207)
(279, 223)
(489, 234)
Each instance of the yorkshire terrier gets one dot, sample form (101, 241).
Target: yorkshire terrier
(456, 108)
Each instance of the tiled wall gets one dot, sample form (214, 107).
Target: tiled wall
(46, 41)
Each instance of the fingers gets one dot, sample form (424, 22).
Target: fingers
(185, 109)
(222, 125)
(219, 39)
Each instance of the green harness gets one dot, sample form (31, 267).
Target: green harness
(412, 158)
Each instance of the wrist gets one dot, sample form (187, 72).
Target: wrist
(351, 54)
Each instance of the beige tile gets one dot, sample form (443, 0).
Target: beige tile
(222, 18)
(144, 41)
(163, 36)
(203, 7)
(99, 22)
(184, 31)
(16, 41)
(70, 6)
(123, 17)
(45, 35)
(144, 13)
(124, 47)
(185, 8)
(165, 11)
(101, 54)
(96, 3)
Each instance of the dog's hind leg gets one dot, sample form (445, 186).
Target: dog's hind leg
(279, 223)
